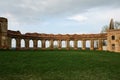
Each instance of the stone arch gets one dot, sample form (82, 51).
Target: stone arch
(47, 44)
(104, 45)
(39, 42)
(87, 44)
(104, 42)
(79, 44)
(63, 44)
(13, 43)
(31, 44)
(55, 44)
(22, 43)
(71, 44)
(96, 42)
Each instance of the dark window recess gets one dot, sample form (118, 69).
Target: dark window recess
(104, 43)
(113, 37)
(113, 46)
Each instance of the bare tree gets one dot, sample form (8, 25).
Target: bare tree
(117, 25)
(105, 29)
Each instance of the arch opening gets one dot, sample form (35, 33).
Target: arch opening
(55, 44)
(96, 44)
(13, 43)
(22, 43)
(63, 44)
(79, 44)
(87, 44)
(71, 44)
(39, 44)
(47, 44)
(31, 44)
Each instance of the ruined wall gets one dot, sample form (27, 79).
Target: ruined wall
(56, 37)
(6, 37)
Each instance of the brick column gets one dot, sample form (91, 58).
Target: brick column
(59, 44)
(92, 45)
(108, 42)
(43, 44)
(75, 44)
(51, 44)
(67, 44)
(18, 43)
(26, 43)
(83, 44)
(35, 44)
(100, 44)
(9, 43)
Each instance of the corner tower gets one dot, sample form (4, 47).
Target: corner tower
(3, 33)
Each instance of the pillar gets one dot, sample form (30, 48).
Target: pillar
(51, 44)
(26, 43)
(83, 45)
(68, 44)
(100, 44)
(59, 44)
(75, 44)
(43, 44)
(109, 45)
(18, 43)
(9, 43)
(35, 44)
(92, 45)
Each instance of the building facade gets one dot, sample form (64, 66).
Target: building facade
(113, 38)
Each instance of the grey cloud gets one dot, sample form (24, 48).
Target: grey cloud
(35, 10)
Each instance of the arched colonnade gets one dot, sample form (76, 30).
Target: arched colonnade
(51, 41)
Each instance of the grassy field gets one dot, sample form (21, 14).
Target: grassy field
(59, 65)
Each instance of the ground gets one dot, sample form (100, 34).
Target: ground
(59, 65)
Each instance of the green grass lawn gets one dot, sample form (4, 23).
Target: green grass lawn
(59, 65)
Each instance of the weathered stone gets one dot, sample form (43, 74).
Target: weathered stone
(113, 38)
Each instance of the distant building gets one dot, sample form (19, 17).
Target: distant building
(113, 38)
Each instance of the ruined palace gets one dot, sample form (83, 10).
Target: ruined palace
(112, 36)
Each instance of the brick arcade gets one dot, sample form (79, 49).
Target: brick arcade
(6, 37)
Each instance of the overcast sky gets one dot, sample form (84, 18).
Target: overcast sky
(59, 16)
